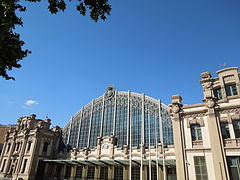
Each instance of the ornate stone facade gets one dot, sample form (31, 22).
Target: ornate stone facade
(207, 131)
(25, 148)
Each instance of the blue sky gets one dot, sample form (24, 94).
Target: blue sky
(154, 47)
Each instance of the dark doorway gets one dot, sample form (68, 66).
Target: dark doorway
(40, 170)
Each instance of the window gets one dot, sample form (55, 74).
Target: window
(118, 173)
(45, 147)
(68, 172)
(153, 173)
(17, 147)
(225, 130)
(29, 146)
(200, 168)
(236, 126)
(104, 173)
(231, 90)
(217, 93)
(24, 166)
(135, 173)
(79, 172)
(8, 147)
(234, 167)
(90, 173)
(3, 166)
(196, 132)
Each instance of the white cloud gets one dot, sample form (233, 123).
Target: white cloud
(31, 102)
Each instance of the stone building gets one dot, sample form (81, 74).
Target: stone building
(119, 135)
(27, 146)
(207, 135)
(125, 135)
(3, 131)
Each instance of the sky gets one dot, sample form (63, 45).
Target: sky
(155, 47)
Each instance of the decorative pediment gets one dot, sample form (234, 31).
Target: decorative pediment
(195, 121)
(235, 117)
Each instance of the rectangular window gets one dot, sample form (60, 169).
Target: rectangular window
(234, 167)
(29, 146)
(79, 172)
(225, 130)
(196, 132)
(135, 173)
(24, 166)
(153, 173)
(68, 172)
(236, 127)
(17, 146)
(3, 166)
(104, 173)
(90, 173)
(217, 93)
(45, 147)
(231, 90)
(8, 147)
(118, 173)
(200, 168)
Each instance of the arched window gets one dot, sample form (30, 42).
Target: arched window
(236, 126)
(196, 132)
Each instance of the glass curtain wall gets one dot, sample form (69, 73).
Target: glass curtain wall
(112, 116)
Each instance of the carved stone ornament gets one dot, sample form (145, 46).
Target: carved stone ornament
(110, 92)
(209, 103)
(235, 117)
(207, 85)
(175, 108)
(206, 75)
(193, 121)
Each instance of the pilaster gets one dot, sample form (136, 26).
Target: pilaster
(218, 153)
(179, 137)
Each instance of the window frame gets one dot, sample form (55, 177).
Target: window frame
(236, 127)
(227, 130)
(196, 128)
(202, 167)
(232, 90)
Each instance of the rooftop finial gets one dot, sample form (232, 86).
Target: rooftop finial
(110, 92)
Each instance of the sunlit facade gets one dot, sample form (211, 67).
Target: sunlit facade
(123, 135)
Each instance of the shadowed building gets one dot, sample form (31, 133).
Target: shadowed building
(27, 146)
(3, 131)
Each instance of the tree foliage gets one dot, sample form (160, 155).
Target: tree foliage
(11, 46)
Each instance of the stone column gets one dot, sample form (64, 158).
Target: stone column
(97, 172)
(125, 172)
(84, 172)
(145, 174)
(73, 172)
(179, 141)
(63, 171)
(110, 172)
(218, 153)
(160, 171)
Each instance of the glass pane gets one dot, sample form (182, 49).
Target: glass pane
(200, 168)
(236, 126)
(217, 93)
(234, 89)
(228, 90)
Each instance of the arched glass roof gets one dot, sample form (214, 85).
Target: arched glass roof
(113, 113)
